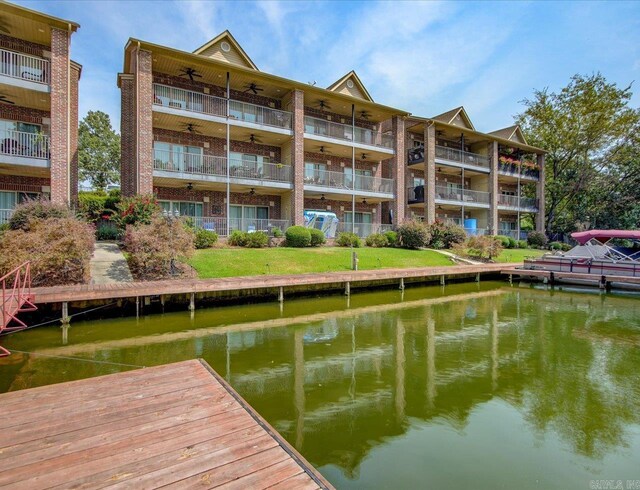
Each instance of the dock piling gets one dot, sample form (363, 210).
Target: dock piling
(281, 294)
(477, 277)
(442, 280)
(192, 302)
(347, 289)
(66, 319)
(402, 284)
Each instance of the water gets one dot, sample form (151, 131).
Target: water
(481, 386)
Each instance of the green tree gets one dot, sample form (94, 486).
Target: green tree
(98, 150)
(581, 127)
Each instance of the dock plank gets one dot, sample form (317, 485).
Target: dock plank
(185, 426)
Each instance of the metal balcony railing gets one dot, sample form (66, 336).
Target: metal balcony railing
(22, 144)
(225, 226)
(459, 156)
(191, 101)
(508, 169)
(198, 164)
(5, 215)
(330, 129)
(464, 196)
(515, 203)
(363, 230)
(343, 180)
(24, 67)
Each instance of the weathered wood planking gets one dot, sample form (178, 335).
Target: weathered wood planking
(178, 425)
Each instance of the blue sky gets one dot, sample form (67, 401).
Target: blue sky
(425, 58)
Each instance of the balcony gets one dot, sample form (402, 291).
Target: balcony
(465, 197)
(462, 157)
(27, 71)
(177, 99)
(225, 226)
(415, 155)
(21, 148)
(415, 194)
(513, 202)
(344, 182)
(344, 132)
(516, 170)
(194, 165)
(363, 230)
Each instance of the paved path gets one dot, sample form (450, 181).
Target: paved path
(108, 265)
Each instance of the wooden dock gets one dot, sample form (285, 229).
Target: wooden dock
(98, 292)
(604, 282)
(179, 425)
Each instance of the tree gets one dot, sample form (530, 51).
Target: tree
(582, 127)
(98, 150)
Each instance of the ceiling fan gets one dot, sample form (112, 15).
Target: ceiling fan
(190, 72)
(253, 87)
(4, 100)
(365, 114)
(252, 192)
(323, 104)
(190, 186)
(323, 150)
(364, 156)
(364, 201)
(191, 128)
(322, 198)
(254, 139)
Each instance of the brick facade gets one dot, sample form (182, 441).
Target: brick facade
(128, 140)
(60, 116)
(296, 106)
(144, 101)
(23, 183)
(22, 46)
(73, 133)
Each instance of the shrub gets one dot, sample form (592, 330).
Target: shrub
(555, 246)
(392, 238)
(377, 240)
(445, 235)
(107, 231)
(348, 239)
(156, 249)
(59, 250)
(413, 235)
(36, 210)
(504, 240)
(137, 210)
(298, 236)
(238, 238)
(257, 239)
(482, 247)
(537, 239)
(277, 232)
(204, 238)
(317, 237)
(521, 244)
(566, 247)
(92, 205)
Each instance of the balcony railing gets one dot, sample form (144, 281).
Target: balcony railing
(521, 235)
(508, 169)
(459, 156)
(514, 202)
(329, 129)
(24, 67)
(195, 163)
(363, 230)
(19, 143)
(465, 196)
(5, 215)
(188, 100)
(342, 180)
(224, 226)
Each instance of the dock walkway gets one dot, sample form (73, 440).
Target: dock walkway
(179, 425)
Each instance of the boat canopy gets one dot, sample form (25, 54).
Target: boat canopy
(603, 236)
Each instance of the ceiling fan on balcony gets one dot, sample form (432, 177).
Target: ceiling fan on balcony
(254, 139)
(323, 150)
(191, 128)
(322, 198)
(364, 156)
(365, 115)
(252, 192)
(192, 73)
(253, 87)
(323, 105)
(5, 100)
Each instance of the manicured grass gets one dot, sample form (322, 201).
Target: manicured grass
(518, 254)
(230, 262)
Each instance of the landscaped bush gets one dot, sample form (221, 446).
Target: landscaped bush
(413, 235)
(277, 232)
(96, 205)
(36, 210)
(445, 235)
(156, 249)
(392, 238)
(137, 210)
(481, 247)
(521, 244)
(317, 237)
(204, 238)
(257, 239)
(298, 236)
(108, 231)
(238, 238)
(537, 239)
(507, 241)
(559, 246)
(377, 240)
(59, 249)
(348, 239)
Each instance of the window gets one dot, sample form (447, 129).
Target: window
(182, 158)
(182, 208)
(10, 199)
(19, 126)
(315, 173)
(248, 218)
(418, 181)
(363, 223)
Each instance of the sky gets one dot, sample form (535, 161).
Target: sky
(422, 57)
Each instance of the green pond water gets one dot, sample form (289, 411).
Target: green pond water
(463, 386)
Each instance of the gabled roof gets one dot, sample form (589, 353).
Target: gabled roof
(357, 88)
(457, 117)
(234, 55)
(512, 133)
(39, 16)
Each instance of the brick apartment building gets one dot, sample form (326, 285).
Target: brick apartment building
(38, 108)
(215, 138)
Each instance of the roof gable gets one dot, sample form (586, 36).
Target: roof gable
(225, 48)
(512, 133)
(456, 117)
(350, 84)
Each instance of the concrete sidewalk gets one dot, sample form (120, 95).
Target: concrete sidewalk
(108, 265)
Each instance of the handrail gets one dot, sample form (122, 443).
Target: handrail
(21, 143)
(344, 180)
(460, 156)
(223, 226)
(346, 132)
(463, 195)
(16, 293)
(24, 67)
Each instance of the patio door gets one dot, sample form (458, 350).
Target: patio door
(7, 203)
(248, 218)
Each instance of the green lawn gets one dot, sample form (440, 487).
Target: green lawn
(518, 254)
(230, 262)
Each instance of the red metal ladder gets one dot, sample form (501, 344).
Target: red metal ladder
(16, 299)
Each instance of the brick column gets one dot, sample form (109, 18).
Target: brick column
(144, 102)
(297, 157)
(128, 140)
(493, 188)
(73, 140)
(540, 218)
(430, 172)
(399, 163)
(60, 116)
